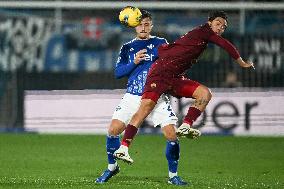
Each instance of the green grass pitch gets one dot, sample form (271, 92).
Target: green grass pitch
(75, 161)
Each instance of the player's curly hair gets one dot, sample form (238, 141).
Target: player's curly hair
(146, 14)
(215, 14)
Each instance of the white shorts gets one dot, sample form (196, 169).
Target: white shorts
(161, 115)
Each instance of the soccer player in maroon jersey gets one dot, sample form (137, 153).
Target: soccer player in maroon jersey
(134, 61)
(166, 76)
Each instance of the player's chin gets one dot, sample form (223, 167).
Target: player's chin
(143, 35)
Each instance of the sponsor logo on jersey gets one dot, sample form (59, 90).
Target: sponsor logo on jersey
(148, 57)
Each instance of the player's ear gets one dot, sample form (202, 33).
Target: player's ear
(209, 22)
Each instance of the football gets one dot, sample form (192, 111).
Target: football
(130, 16)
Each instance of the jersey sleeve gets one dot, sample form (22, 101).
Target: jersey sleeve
(225, 44)
(164, 41)
(124, 65)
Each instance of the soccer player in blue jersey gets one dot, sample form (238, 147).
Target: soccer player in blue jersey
(134, 62)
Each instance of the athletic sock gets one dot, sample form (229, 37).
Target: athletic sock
(129, 134)
(112, 167)
(171, 175)
(192, 114)
(112, 144)
(172, 154)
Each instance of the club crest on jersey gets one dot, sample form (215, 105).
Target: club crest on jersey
(153, 85)
(151, 46)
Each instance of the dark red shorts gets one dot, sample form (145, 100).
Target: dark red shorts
(178, 87)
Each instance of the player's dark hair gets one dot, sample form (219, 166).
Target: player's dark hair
(146, 14)
(215, 14)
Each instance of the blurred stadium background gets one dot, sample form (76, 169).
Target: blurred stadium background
(57, 60)
(56, 76)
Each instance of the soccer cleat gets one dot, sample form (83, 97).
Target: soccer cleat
(122, 154)
(185, 131)
(176, 180)
(107, 174)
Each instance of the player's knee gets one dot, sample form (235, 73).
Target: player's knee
(204, 93)
(115, 129)
(208, 95)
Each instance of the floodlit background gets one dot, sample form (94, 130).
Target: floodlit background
(56, 56)
(58, 94)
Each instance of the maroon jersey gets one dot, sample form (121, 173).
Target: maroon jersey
(177, 57)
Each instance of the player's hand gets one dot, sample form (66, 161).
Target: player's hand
(250, 64)
(141, 55)
(245, 64)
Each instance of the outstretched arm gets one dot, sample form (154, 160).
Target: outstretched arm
(231, 49)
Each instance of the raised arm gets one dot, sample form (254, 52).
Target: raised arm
(225, 44)
(231, 49)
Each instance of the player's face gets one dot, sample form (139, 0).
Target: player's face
(143, 30)
(218, 25)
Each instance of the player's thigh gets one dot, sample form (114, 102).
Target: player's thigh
(184, 87)
(163, 113)
(128, 105)
(155, 86)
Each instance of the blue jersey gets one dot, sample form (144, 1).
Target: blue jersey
(137, 74)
